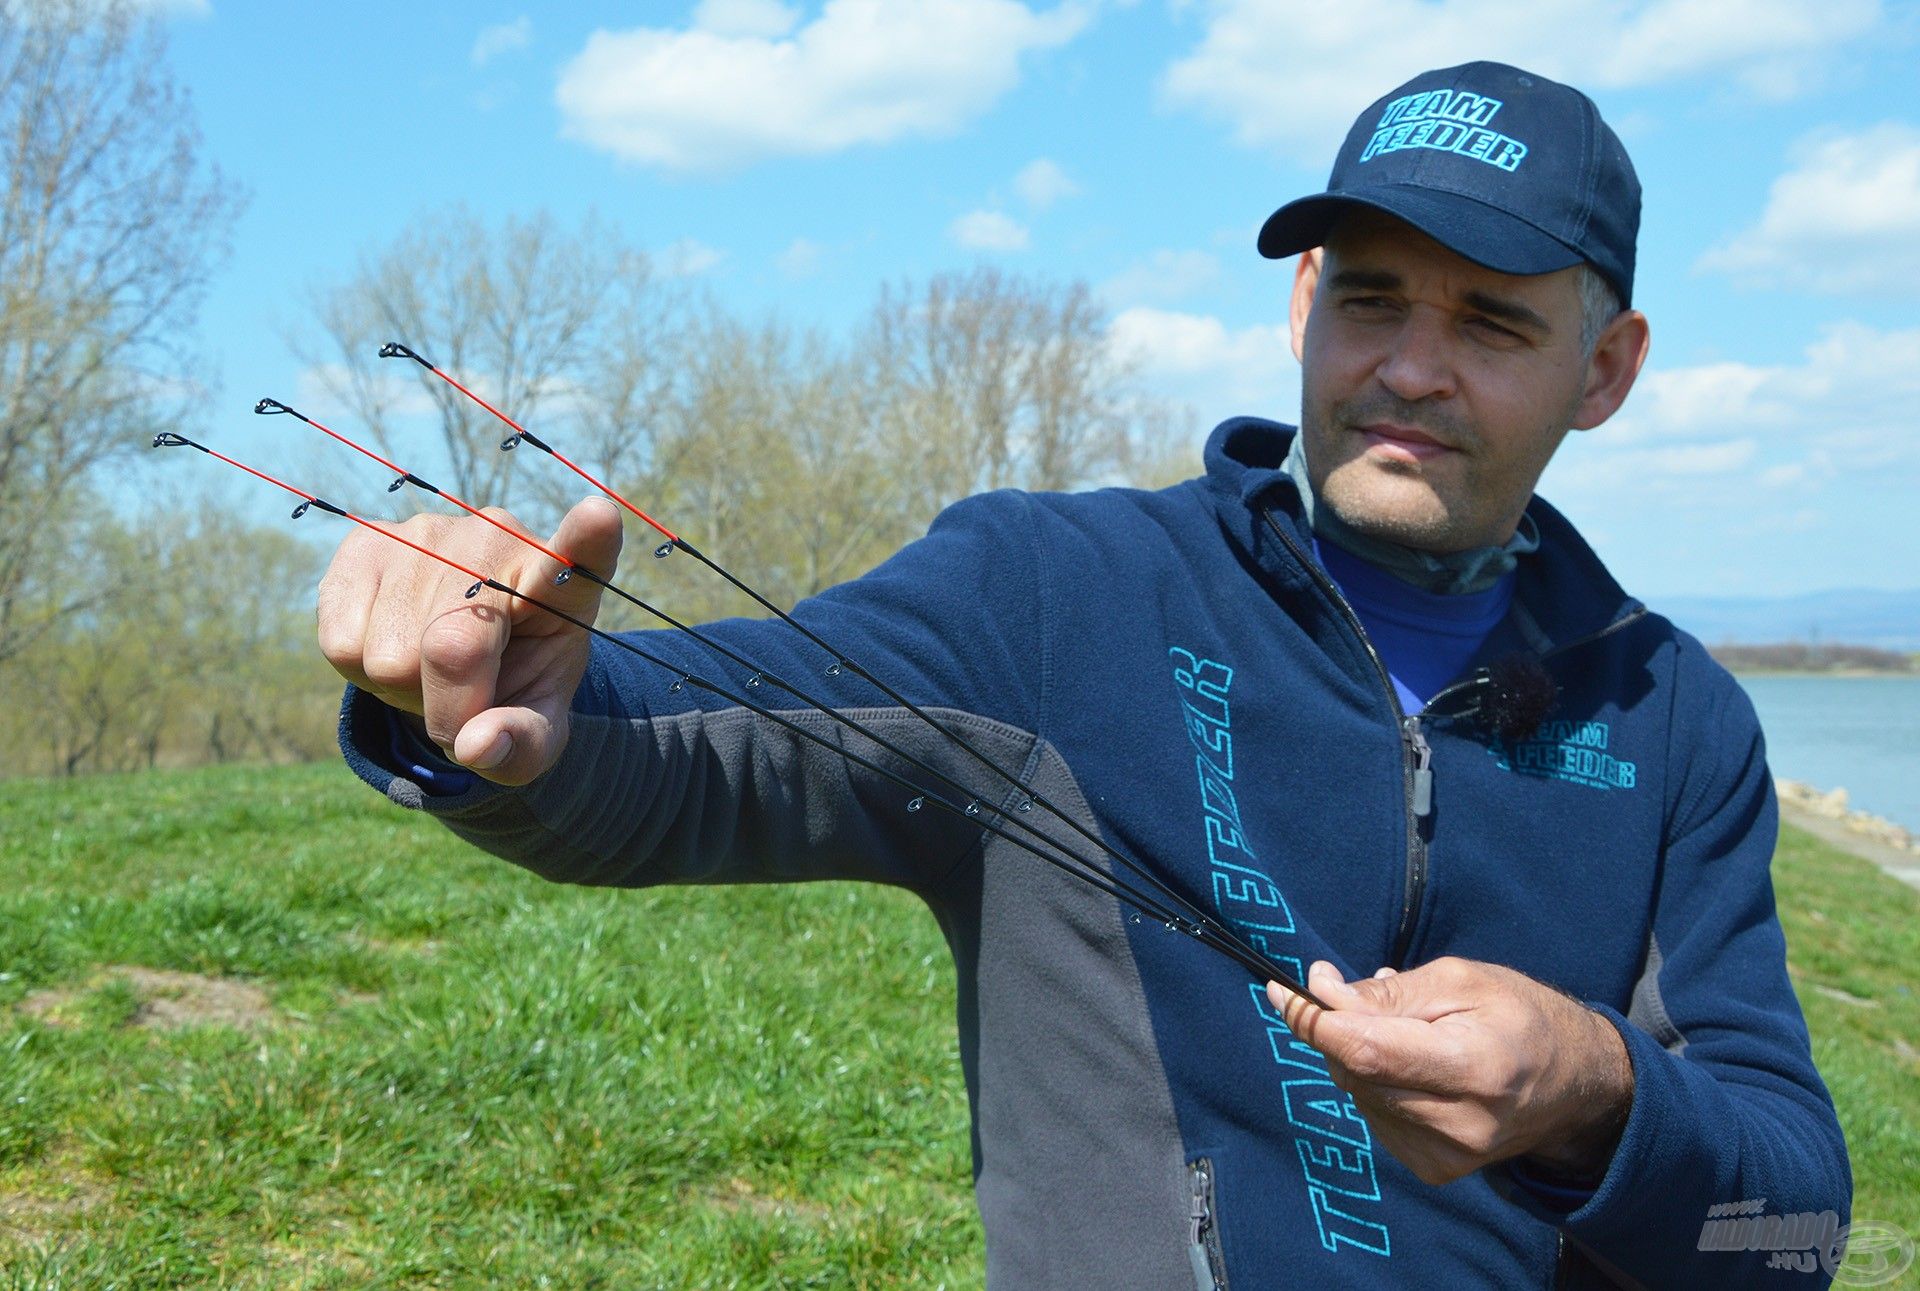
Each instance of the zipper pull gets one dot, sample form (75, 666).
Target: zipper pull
(1422, 767)
(1201, 1214)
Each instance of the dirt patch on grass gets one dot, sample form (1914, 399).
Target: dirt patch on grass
(425, 947)
(167, 1000)
(739, 1196)
(38, 1205)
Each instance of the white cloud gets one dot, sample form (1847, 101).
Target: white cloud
(1853, 381)
(1848, 409)
(988, 231)
(1846, 218)
(501, 38)
(1785, 476)
(1199, 360)
(1163, 276)
(1290, 75)
(1652, 467)
(329, 385)
(1683, 401)
(1758, 477)
(687, 258)
(1041, 183)
(713, 98)
(802, 258)
(764, 19)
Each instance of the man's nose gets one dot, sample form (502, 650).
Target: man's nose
(1418, 363)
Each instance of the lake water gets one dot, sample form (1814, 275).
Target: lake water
(1857, 733)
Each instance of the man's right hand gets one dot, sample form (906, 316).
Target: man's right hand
(490, 679)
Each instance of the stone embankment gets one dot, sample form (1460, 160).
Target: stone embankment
(1831, 804)
(1825, 813)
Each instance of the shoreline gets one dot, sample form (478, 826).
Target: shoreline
(1825, 815)
(1844, 674)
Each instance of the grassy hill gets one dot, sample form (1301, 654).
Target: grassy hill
(258, 1029)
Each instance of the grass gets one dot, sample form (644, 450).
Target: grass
(419, 1067)
(1853, 939)
(458, 1076)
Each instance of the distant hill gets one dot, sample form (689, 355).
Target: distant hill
(1883, 620)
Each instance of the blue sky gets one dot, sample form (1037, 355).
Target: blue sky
(790, 158)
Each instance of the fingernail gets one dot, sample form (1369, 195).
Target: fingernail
(494, 754)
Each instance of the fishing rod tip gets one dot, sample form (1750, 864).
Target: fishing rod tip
(167, 439)
(395, 350)
(267, 407)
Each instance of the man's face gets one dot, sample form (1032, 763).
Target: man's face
(1434, 390)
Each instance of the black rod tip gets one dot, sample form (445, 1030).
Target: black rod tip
(395, 350)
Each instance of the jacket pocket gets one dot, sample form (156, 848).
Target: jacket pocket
(1203, 1228)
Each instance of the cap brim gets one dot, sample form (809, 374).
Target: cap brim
(1483, 234)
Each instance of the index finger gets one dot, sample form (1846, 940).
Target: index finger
(1406, 1053)
(460, 650)
(462, 647)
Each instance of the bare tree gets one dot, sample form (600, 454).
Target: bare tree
(110, 222)
(998, 381)
(795, 459)
(560, 329)
(773, 460)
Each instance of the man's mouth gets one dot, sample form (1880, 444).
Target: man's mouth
(1404, 443)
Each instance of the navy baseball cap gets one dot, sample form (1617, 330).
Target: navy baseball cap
(1511, 170)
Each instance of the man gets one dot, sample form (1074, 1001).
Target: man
(1559, 1027)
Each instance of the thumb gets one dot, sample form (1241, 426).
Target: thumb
(590, 536)
(1327, 986)
(1332, 986)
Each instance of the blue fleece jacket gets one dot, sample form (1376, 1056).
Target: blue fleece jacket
(1176, 672)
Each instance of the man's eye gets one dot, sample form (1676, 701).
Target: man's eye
(1494, 331)
(1367, 304)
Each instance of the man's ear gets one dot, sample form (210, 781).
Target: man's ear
(1616, 363)
(1306, 279)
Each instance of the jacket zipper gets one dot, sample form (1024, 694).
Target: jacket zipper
(1416, 755)
(1203, 1236)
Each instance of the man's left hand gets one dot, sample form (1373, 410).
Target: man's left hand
(1458, 1064)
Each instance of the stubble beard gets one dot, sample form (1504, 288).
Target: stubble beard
(1396, 501)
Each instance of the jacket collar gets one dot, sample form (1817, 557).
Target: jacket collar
(1563, 585)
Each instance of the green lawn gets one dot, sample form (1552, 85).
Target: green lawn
(458, 1075)
(258, 1029)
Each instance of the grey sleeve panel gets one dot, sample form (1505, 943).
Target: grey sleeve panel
(728, 797)
(1648, 1010)
(1079, 1167)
